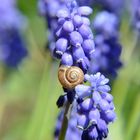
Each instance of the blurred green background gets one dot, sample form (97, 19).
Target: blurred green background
(28, 95)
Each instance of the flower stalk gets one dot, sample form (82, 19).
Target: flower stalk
(64, 122)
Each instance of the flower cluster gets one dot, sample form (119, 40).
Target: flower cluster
(95, 107)
(136, 13)
(12, 49)
(95, 110)
(74, 45)
(49, 9)
(108, 49)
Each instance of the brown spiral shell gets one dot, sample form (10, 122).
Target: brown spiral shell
(70, 77)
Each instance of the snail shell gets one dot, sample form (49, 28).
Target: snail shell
(70, 77)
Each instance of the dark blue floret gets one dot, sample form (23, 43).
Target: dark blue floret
(61, 100)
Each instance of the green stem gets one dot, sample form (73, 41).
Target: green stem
(64, 123)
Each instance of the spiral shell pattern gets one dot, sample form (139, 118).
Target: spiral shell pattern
(70, 77)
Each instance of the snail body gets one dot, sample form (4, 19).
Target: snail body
(70, 77)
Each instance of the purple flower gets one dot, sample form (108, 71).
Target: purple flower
(93, 111)
(74, 36)
(106, 58)
(65, 10)
(96, 110)
(12, 47)
(98, 84)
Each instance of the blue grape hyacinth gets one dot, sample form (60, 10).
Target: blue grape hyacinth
(74, 45)
(107, 57)
(95, 107)
(12, 47)
(107, 47)
(92, 112)
(49, 9)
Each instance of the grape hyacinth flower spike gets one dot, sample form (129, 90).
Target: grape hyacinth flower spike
(107, 46)
(95, 107)
(49, 8)
(12, 47)
(94, 110)
(74, 45)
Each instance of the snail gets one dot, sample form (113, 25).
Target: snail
(70, 77)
